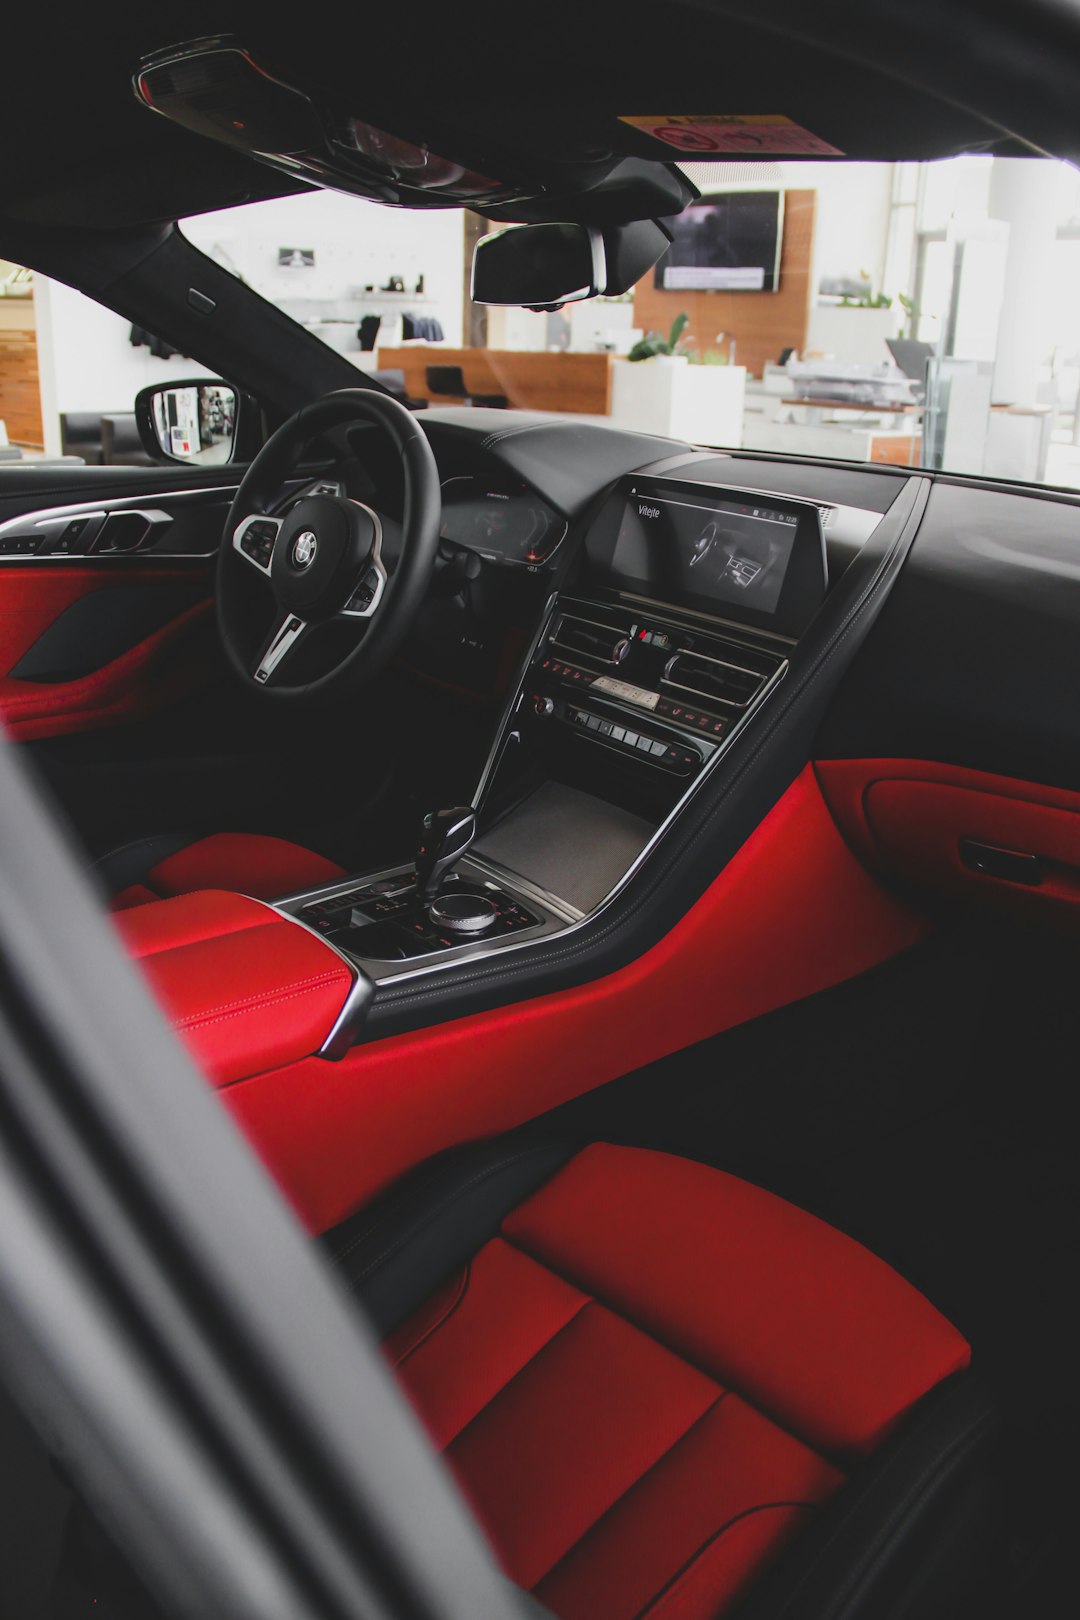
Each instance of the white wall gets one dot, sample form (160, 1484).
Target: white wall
(86, 360)
(851, 222)
(355, 242)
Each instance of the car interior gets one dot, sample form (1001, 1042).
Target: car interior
(622, 889)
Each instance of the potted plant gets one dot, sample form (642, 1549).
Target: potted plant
(684, 393)
(654, 347)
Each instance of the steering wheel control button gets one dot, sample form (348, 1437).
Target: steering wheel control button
(256, 540)
(463, 913)
(364, 596)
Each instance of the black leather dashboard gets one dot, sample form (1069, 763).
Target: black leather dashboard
(976, 658)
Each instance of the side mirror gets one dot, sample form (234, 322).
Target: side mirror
(546, 266)
(194, 423)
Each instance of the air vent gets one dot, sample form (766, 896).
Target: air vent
(735, 683)
(605, 643)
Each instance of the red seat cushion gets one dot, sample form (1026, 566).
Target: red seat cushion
(655, 1374)
(246, 863)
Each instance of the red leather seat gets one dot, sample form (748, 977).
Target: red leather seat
(649, 1377)
(245, 863)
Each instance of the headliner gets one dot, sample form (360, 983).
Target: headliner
(875, 80)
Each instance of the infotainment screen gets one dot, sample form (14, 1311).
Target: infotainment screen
(756, 558)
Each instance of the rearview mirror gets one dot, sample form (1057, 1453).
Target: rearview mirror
(191, 422)
(545, 266)
(539, 266)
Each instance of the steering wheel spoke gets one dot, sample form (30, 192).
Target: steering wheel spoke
(368, 591)
(284, 639)
(255, 539)
(339, 571)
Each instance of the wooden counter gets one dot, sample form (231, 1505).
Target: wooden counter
(534, 380)
(20, 398)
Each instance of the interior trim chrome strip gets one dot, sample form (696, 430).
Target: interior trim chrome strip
(46, 516)
(704, 658)
(504, 730)
(706, 697)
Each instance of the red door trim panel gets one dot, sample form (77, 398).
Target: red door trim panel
(156, 671)
(791, 914)
(908, 817)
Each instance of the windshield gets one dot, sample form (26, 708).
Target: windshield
(915, 314)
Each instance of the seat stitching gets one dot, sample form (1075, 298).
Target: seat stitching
(747, 1513)
(138, 954)
(418, 1224)
(284, 992)
(241, 1012)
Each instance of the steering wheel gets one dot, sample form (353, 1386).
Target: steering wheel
(326, 559)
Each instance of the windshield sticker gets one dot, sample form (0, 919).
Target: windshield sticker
(725, 133)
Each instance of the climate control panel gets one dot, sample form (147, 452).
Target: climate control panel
(664, 692)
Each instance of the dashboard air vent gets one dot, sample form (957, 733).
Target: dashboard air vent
(735, 684)
(605, 643)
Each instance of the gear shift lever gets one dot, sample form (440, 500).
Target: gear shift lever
(446, 836)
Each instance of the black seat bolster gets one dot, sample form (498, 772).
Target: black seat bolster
(131, 863)
(397, 1251)
(917, 1534)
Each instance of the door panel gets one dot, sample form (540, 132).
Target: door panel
(153, 673)
(104, 601)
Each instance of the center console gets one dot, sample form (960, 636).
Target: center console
(675, 622)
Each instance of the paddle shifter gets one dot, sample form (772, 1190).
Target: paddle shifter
(445, 837)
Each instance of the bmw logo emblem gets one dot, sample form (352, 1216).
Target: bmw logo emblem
(304, 548)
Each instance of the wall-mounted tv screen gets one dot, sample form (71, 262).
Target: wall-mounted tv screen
(726, 242)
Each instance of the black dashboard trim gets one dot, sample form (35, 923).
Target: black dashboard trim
(976, 658)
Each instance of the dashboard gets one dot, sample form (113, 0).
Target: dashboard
(979, 630)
